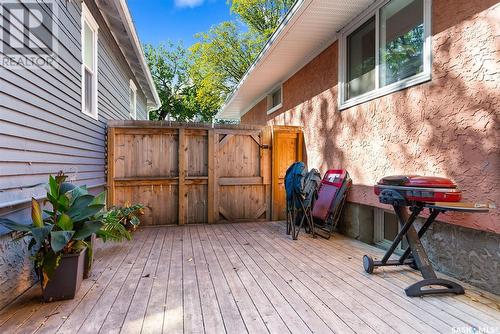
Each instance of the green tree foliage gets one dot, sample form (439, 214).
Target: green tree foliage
(169, 64)
(222, 55)
(193, 83)
(219, 61)
(261, 16)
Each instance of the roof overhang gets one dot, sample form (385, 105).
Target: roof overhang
(309, 27)
(118, 18)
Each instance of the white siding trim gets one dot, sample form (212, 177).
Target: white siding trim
(133, 105)
(269, 98)
(88, 18)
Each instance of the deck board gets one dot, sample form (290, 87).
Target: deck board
(246, 277)
(394, 280)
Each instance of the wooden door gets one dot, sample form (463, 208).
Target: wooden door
(287, 149)
(241, 190)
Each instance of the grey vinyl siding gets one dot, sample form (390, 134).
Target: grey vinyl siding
(43, 131)
(142, 110)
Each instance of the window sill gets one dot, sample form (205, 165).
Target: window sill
(273, 109)
(94, 116)
(397, 86)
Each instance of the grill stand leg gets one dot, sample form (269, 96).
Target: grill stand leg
(418, 256)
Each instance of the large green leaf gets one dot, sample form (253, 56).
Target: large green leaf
(13, 226)
(41, 233)
(36, 213)
(53, 200)
(79, 204)
(87, 212)
(65, 187)
(59, 239)
(86, 229)
(63, 202)
(77, 192)
(65, 223)
(99, 199)
(53, 187)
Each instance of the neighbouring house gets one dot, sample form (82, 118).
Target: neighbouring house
(67, 68)
(392, 87)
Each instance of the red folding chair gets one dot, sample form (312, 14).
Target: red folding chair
(329, 205)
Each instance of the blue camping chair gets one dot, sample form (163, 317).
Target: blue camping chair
(301, 191)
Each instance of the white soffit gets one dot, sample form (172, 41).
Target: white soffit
(310, 27)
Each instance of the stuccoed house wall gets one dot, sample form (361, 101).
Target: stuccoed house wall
(448, 126)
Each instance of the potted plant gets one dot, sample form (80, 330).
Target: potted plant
(120, 221)
(58, 239)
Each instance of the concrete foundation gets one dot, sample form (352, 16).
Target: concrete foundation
(16, 269)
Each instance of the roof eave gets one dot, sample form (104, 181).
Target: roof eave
(277, 34)
(123, 15)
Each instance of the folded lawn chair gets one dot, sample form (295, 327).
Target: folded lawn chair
(329, 205)
(301, 191)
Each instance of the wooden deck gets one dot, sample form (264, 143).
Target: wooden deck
(239, 278)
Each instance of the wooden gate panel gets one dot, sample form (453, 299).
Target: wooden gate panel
(197, 204)
(239, 155)
(197, 154)
(160, 201)
(246, 202)
(188, 174)
(146, 155)
(242, 192)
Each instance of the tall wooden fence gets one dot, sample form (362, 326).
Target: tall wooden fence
(190, 174)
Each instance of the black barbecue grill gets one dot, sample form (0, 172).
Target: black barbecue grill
(438, 195)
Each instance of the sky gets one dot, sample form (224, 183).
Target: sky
(158, 21)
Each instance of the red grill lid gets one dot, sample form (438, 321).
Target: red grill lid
(417, 181)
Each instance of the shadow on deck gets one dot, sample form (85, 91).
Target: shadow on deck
(247, 277)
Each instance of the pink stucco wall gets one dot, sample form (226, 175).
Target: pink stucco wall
(446, 127)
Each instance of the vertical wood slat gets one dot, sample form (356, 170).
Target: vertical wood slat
(265, 167)
(212, 188)
(182, 177)
(274, 177)
(111, 167)
(216, 186)
(300, 146)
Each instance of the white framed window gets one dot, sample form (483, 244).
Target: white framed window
(133, 99)
(90, 34)
(387, 49)
(275, 99)
(386, 227)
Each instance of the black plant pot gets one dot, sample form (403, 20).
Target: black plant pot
(67, 278)
(89, 256)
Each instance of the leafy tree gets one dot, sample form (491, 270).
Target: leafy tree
(261, 16)
(219, 61)
(222, 55)
(194, 83)
(169, 66)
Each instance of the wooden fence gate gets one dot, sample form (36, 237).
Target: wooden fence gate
(190, 174)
